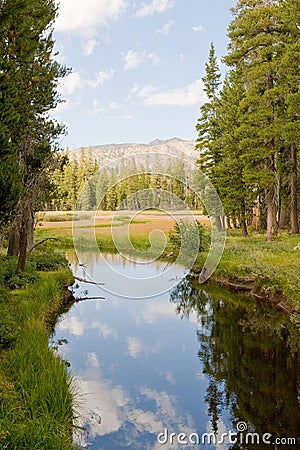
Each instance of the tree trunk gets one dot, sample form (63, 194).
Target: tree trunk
(271, 213)
(228, 223)
(23, 245)
(255, 217)
(14, 239)
(294, 185)
(243, 220)
(244, 228)
(283, 217)
(262, 213)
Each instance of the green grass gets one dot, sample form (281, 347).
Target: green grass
(271, 267)
(36, 399)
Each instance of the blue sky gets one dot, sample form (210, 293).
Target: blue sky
(136, 67)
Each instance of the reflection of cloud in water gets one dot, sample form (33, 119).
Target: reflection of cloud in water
(168, 375)
(105, 330)
(73, 325)
(92, 360)
(155, 312)
(134, 346)
(100, 399)
(77, 327)
(117, 411)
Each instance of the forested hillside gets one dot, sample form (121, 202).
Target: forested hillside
(128, 176)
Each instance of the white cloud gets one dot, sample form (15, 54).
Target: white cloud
(133, 59)
(166, 28)
(100, 79)
(71, 84)
(74, 82)
(88, 46)
(198, 28)
(192, 94)
(152, 57)
(121, 117)
(96, 107)
(148, 9)
(85, 16)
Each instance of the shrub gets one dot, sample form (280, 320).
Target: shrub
(47, 260)
(188, 237)
(12, 280)
(8, 329)
(4, 295)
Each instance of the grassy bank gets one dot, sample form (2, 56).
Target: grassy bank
(35, 387)
(270, 270)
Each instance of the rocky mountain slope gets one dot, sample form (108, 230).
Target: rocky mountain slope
(105, 154)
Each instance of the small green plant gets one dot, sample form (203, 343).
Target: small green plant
(189, 237)
(10, 278)
(8, 329)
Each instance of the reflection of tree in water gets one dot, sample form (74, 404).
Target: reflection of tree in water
(251, 357)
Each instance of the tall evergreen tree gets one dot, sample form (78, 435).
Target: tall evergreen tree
(254, 35)
(207, 123)
(207, 127)
(26, 47)
(236, 195)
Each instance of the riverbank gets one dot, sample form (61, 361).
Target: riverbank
(267, 271)
(36, 390)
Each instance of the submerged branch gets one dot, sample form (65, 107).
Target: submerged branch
(83, 280)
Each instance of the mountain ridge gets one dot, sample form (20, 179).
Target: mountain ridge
(105, 153)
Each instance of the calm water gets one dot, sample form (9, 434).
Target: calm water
(189, 361)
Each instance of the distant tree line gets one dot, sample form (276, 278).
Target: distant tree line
(131, 184)
(248, 130)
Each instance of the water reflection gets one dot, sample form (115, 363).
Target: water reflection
(190, 361)
(124, 277)
(250, 356)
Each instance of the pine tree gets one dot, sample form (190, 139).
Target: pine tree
(287, 127)
(26, 46)
(207, 128)
(237, 196)
(253, 50)
(207, 124)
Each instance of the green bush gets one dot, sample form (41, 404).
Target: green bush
(12, 280)
(8, 329)
(4, 295)
(47, 260)
(41, 260)
(188, 237)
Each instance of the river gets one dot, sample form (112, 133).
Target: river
(189, 366)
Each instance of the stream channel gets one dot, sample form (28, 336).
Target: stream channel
(163, 362)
